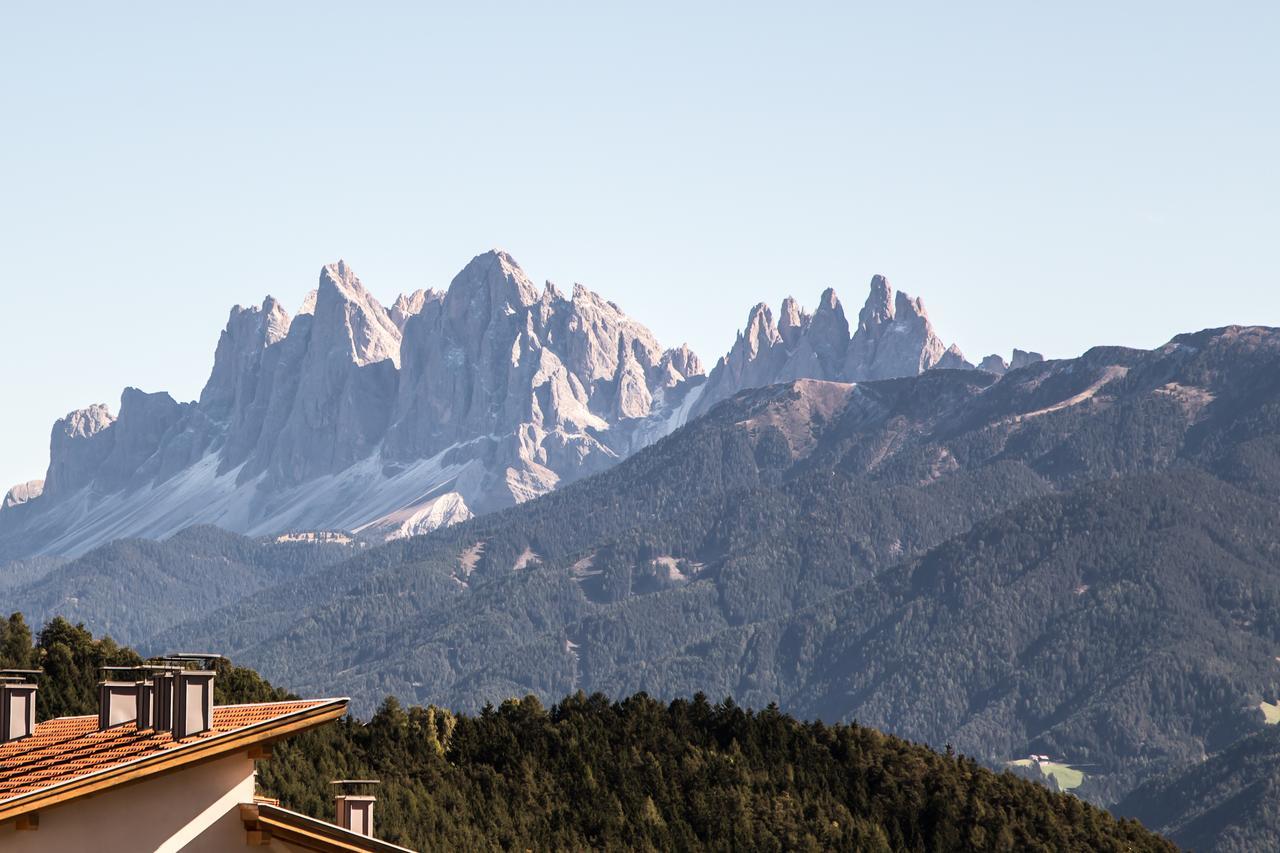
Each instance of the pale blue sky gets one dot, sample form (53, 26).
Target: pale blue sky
(1049, 176)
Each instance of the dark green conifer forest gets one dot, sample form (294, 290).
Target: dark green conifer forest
(590, 773)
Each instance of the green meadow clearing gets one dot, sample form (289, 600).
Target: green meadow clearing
(1066, 776)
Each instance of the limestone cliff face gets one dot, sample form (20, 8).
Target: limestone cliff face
(80, 443)
(560, 377)
(893, 338)
(409, 304)
(893, 342)
(389, 421)
(239, 387)
(91, 449)
(334, 387)
(997, 365)
(354, 415)
(21, 493)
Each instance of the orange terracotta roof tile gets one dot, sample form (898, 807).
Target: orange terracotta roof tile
(67, 749)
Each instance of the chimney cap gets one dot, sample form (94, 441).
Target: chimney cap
(120, 672)
(19, 676)
(205, 658)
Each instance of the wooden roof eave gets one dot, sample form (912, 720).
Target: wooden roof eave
(308, 832)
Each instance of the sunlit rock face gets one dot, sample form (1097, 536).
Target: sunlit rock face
(893, 337)
(390, 421)
(351, 415)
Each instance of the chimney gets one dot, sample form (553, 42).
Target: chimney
(17, 704)
(166, 697)
(190, 694)
(117, 697)
(193, 702)
(146, 701)
(163, 679)
(117, 703)
(354, 812)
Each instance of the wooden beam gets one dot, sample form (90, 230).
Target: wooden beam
(261, 752)
(28, 822)
(310, 833)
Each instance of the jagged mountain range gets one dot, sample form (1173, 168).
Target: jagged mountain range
(389, 422)
(1078, 559)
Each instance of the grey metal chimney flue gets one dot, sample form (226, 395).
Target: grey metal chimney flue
(17, 704)
(163, 679)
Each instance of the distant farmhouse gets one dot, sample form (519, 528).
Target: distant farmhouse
(160, 768)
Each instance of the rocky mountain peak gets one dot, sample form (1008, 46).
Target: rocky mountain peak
(677, 365)
(339, 275)
(1022, 358)
(829, 302)
(791, 320)
(22, 493)
(906, 308)
(248, 332)
(533, 373)
(344, 308)
(953, 359)
(760, 332)
(491, 282)
(491, 390)
(91, 446)
(84, 423)
(411, 304)
(275, 321)
(994, 364)
(878, 308)
(893, 338)
(78, 444)
(828, 334)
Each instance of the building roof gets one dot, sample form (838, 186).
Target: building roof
(70, 757)
(308, 832)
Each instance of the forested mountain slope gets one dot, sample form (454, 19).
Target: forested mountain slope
(1077, 559)
(1227, 804)
(134, 588)
(634, 774)
(1128, 627)
(776, 500)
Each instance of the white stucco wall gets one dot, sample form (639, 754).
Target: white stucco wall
(195, 809)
